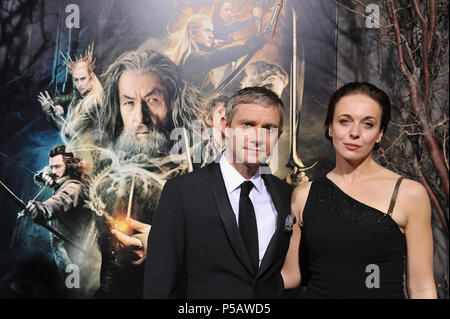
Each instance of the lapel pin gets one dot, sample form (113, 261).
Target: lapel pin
(289, 223)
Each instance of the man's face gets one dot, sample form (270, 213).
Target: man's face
(255, 130)
(217, 114)
(142, 102)
(143, 111)
(57, 165)
(205, 34)
(81, 77)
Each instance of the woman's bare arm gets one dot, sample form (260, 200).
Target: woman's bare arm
(419, 240)
(291, 268)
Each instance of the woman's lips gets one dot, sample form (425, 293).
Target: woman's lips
(351, 147)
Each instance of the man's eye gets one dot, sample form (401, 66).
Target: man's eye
(153, 100)
(270, 130)
(128, 103)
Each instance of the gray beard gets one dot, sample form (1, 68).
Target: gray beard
(156, 144)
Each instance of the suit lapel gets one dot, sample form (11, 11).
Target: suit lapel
(227, 215)
(282, 213)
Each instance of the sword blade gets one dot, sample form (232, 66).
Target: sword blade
(293, 158)
(296, 99)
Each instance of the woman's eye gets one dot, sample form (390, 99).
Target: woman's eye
(344, 121)
(368, 124)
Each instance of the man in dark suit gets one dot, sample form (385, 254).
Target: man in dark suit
(219, 232)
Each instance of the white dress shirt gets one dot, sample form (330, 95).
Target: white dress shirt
(265, 212)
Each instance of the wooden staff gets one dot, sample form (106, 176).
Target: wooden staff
(130, 199)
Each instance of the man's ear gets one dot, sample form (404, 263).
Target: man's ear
(208, 120)
(280, 131)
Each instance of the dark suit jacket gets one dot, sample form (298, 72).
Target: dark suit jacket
(195, 249)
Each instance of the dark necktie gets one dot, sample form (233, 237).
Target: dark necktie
(247, 224)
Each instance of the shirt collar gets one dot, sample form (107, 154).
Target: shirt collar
(233, 179)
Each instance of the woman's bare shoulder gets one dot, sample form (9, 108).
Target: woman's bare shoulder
(412, 195)
(410, 189)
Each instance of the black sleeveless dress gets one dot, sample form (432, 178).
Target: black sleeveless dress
(349, 249)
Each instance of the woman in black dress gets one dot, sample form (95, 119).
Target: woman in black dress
(361, 226)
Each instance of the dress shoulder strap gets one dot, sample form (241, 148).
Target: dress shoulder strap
(394, 196)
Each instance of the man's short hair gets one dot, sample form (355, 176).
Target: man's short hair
(212, 104)
(256, 95)
(218, 99)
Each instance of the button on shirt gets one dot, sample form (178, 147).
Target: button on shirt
(265, 212)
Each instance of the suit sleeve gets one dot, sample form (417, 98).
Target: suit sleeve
(164, 268)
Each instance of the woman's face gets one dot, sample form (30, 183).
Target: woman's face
(356, 126)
